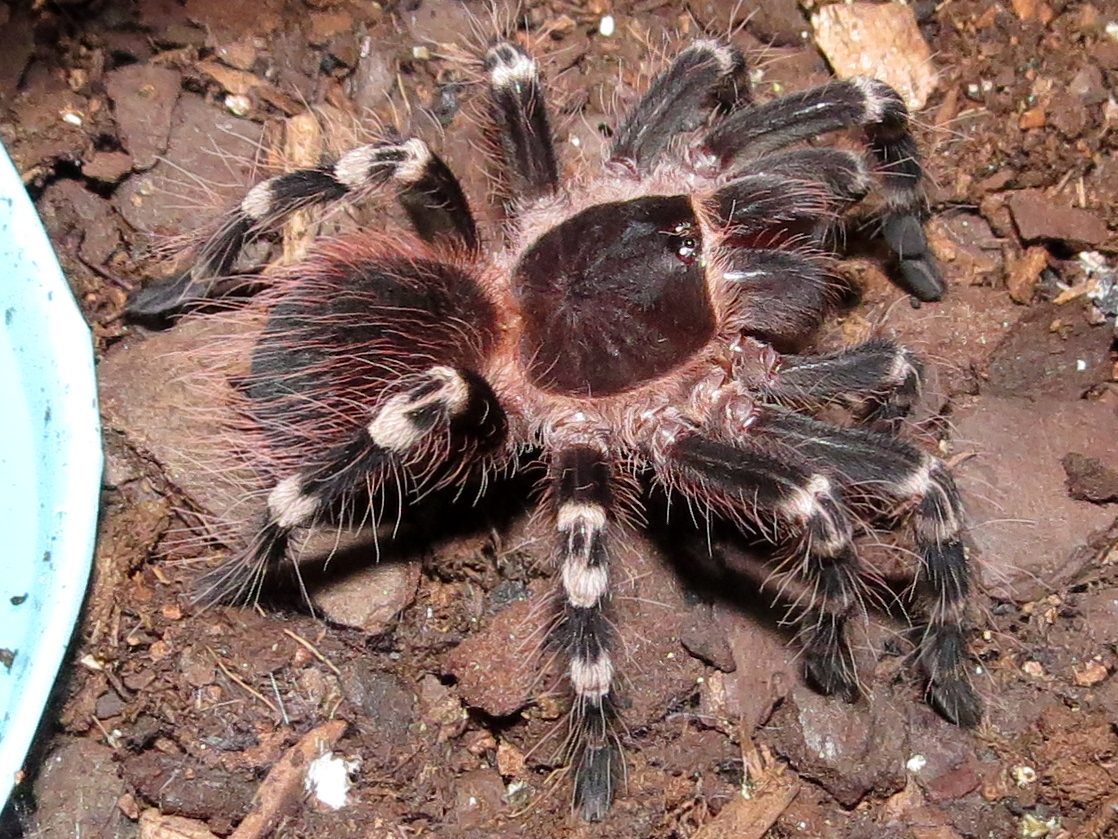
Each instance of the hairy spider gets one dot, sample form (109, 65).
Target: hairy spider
(627, 329)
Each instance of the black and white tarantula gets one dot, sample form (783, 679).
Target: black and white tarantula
(628, 329)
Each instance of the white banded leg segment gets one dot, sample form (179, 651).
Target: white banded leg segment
(406, 419)
(706, 75)
(819, 515)
(519, 116)
(288, 506)
(751, 484)
(425, 185)
(583, 498)
(592, 680)
(404, 435)
(582, 491)
(944, 582)
(893, 478)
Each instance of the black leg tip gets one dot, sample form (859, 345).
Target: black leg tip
(594, 777)
(921, 278)
(831, 674)
(166, 298)
(956, 701)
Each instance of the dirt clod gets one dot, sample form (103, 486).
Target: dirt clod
(1089, 479)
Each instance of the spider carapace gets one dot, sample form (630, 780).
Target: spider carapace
(613, 297)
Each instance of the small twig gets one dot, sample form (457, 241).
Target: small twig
(313, 650)
(233, 677)
(279, 699)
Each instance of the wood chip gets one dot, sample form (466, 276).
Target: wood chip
(1023, 274)
(879, 40)
(302, 147)
(155, 825)
(237, 82)
(750, 818)
(1091, 673)
(282, 790)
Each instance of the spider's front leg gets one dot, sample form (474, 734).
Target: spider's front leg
(768, 277)
(703, 77)
(425, 187)
(747, 135)
(365, 374)
(518, 112)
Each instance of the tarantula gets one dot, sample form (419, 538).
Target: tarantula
(628, 329)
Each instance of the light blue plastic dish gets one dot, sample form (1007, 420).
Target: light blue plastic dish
(50, 469)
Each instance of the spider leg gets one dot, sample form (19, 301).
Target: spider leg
(767, 266)
(582, 497)
(749, 485)
(777, 295)
(519, 114)
(893, 478)
(411, 432)
(426, 189)
(879, 379)
(844, 174)
(750, 133)
(704, 76)
(766, 270)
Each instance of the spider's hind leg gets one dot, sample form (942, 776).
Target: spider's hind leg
(583, 499)
(425, 186)
(364, 371)
(406, 436)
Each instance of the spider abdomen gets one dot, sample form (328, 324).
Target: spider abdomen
(348, 322)
(614, 296)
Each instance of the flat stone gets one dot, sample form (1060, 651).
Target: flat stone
(1051, 352)
(81, 224)
(878, 40)
(1029, 537)
(143, 97)
(107, 166)
(766, 667)
(1089, 479)
(77, 791)
(849, 750)
(495, 668)
(208, 166)
(160, 393)
(368, 599)
(1040, 218)
(479, 795)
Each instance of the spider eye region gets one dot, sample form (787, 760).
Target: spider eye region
(614, 296)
